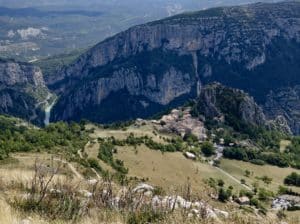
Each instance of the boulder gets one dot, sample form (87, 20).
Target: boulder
(143, 188)
(190, 155)
(243, 200)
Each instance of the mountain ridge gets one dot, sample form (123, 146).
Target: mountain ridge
(245, 47)
(22, 89)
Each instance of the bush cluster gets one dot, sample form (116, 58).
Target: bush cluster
(257, 156)
(293, 179)
(62, 137)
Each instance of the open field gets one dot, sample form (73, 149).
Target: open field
(173, 169)
(20, 167)
(138, 131)
(169, 170)
(25, 162)
(237, 169)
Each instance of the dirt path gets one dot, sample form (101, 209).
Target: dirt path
(81, 156)
(96, 173)
(233, 178)
(72, 168)
(79, 152)
(218, 157)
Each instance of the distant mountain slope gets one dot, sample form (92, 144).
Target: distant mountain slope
(35, 29)
(33, 12)
(22, 90)
(150, 67)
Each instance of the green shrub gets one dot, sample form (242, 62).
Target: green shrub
(255, 202)
(249, 194)
(145, 217)
(94, 164)
(224, 195)
(221, 183)
(56, 136)
(208, 149)
(258, 162)
(106, 151)
(293, 179)
(264, 194)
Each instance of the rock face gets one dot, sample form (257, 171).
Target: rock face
(13, 73)
(220, 103)
(285, 103)
(161, 64)
(21, 89)
(237, 109)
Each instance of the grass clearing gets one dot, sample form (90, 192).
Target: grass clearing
(21, 169)
(169, 170)
(122, 134)
(237, 169)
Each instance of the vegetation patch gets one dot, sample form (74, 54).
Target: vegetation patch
(59, 137)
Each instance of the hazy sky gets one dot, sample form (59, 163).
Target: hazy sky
(131, 3)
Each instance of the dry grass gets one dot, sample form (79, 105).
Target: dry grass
(25, 162)
(15, 175)
(9, 215)
(169, 170)
(123, 134)
(6, 214)
(237, 169)
(293, 217)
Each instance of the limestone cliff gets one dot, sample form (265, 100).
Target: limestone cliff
(22, 88)
(218, 102)
(285, 103)
(235, 108)
(157, 65)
